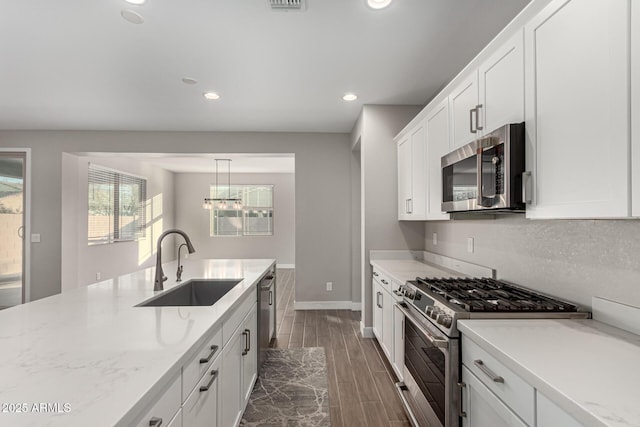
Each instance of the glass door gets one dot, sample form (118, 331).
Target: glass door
(12, 220)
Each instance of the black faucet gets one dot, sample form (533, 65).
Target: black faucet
(160, 277)
(180, 268)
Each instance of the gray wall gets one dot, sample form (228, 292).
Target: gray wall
(574, 260)
(376, 129)
(81, 262)
(322, 195)
(194, 220)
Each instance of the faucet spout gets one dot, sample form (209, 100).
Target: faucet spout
(160, 277)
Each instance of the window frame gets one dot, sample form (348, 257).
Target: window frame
(116, 179)
(244, 209)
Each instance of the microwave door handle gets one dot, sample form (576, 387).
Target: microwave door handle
(481, 200)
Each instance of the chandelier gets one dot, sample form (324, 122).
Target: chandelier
(222, 202)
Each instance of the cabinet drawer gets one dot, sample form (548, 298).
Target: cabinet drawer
(164, 406)
(382, 278)
(201, 407)
(193, 370)
(507, 385)
(234, 320)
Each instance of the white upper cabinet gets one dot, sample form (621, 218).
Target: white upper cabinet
(577, 109)
(464, 106)
(501, 86)
(635, 107)
(412, 179)
(437, 129)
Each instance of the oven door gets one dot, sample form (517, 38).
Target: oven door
(431, 371)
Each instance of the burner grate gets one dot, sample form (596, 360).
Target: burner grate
(490, 295)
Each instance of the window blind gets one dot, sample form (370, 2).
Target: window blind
(116, 206)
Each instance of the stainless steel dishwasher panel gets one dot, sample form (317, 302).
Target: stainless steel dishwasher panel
(267, 319)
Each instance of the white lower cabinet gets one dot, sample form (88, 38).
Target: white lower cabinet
(378, 293)
(165, 406)
(177, 420)
(200, 408)
(239, 370)
(482, 408)
(548, 414)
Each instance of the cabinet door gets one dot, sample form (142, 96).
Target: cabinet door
(577, 96)
(404, 177)
(249, 355)
(417, 202)
(398, 342)
(501, 85)
(463, 99)
(387, 325)
(482, 407)
(437, 129)
(548, 414)
(635, 107)
(377, 293)
(230, 397)
(201, 407)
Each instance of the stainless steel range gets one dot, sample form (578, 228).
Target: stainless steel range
(432, 308)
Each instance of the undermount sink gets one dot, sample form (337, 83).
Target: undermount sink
(195, 292)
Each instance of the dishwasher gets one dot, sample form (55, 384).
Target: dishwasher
(267, 318)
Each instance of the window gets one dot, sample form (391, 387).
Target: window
(116, 206)
(255, 218)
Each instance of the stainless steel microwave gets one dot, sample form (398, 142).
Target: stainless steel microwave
(486, 174)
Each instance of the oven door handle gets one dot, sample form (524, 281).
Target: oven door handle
(437, 342)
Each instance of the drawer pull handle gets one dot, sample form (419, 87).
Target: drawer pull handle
(214, 375)
(495, 378)
(461, 413)
(375, 274)
(155, 422)
(270, 297)
(385, 282)
(214, 349)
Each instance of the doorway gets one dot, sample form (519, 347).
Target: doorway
(13, 168)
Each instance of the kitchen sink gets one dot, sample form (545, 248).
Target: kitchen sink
(195, 292)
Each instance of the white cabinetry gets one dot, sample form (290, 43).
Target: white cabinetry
(437, 129)
(383, 313)
(577, 97)
(412, 178)
(491, 96)
(201, 407)
(548, 414)
(635, 107)
(482, 408)
(239, 370)
(165, 406)
(377, 309)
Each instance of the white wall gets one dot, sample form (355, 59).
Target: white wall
(194, 220)
(573, 260)
(81, 262)
(375, 130)
(322, 195)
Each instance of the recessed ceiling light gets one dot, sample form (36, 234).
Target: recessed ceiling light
(131, 16)
(136, 2)
(350, 97)
(378, 4)
(211, 96)
(189, 81)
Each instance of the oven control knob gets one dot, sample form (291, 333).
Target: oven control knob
(445, 321)
(435, 312)
(429, 310)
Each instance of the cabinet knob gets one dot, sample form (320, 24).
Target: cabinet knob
(155, 422)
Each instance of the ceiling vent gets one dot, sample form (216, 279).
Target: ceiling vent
(287, 5)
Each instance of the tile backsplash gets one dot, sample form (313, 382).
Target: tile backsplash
(571, 259)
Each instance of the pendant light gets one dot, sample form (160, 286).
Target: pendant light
(222, 201)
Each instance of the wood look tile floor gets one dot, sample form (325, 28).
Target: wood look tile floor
(361, 382)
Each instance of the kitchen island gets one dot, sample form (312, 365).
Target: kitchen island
(91, 357)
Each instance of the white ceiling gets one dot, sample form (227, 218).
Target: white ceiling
(77, 64)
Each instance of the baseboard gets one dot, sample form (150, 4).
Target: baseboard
(287, 266)
(366, 331)
(326, 305)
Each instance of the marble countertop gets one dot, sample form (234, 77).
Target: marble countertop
(403, 270)
(95, 354)
(586, 367)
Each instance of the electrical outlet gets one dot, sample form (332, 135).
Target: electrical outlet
(329, 286)
(98, 275)
(470, 245)
(435, 239)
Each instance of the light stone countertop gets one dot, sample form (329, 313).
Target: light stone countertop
(403, 270)
(586, 367)
(92, 349)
